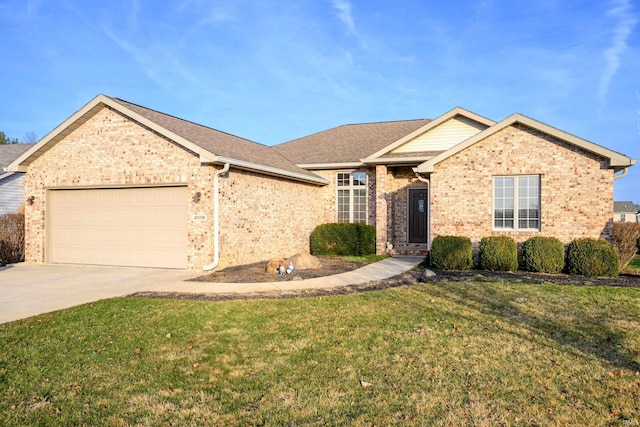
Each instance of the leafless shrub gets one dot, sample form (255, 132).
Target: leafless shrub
(625, 237)
(11, 238)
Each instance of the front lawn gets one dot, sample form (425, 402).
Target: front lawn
(452, 353)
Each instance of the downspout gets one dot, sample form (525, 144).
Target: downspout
(216, 219)
(426, 181)
(624, 173)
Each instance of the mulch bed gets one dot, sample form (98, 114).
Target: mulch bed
(409, 278)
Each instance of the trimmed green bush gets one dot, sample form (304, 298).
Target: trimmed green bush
(543, 255)
(592, 257)
(452, 253)
(498, 253)
(343, 238)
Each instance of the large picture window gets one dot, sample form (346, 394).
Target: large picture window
(352, 197)
(516, 202)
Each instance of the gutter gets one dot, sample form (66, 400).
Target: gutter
(216, 218)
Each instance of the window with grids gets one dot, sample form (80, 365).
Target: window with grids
(352, 197)
(516, 202)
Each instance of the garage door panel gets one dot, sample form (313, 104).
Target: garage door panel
(126, 226)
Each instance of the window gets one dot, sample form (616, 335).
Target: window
(623, 217)
(516, 202)
(352, 197)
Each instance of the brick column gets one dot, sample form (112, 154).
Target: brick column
(381, 209)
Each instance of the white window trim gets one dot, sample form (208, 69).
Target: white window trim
(515, 204)
(352, 187)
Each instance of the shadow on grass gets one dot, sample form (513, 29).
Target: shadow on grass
(588, 335)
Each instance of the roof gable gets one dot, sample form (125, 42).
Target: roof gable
(436, 136)
(617, 161)
(210, 145)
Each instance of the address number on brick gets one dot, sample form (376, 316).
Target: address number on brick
(199, 217)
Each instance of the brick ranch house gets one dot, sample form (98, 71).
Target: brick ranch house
(120, 184)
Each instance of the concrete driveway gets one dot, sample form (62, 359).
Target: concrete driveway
(27, 290)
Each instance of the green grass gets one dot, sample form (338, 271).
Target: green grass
(634, 264)
(448, 354)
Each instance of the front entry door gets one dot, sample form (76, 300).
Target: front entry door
(417, 211)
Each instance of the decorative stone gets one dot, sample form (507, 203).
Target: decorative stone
(305, 261)
(424, 276)
(273, 264)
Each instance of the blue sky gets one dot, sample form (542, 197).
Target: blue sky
(271, 71)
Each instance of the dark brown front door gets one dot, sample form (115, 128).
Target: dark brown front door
(417, 215)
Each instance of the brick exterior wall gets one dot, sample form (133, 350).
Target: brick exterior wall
(576, 187)
(265, 217)
(260, 216)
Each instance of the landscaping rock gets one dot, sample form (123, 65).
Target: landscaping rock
(305, 261)
(424, 275)
(273, 264)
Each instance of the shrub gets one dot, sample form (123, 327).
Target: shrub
(625, 237)
(343, 238)
(592, 257)
(11, 238)
(452, 253)
(543, 254)
(498, 253)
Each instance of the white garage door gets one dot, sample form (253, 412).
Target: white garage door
(144, 227)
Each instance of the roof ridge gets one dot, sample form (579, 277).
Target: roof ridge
(188, 121)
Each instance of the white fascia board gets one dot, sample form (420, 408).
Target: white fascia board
(397, 160)
(268, 170)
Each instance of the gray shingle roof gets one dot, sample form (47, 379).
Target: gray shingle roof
(217, 142)
(347, 143)
(625, 207)
(10, 152)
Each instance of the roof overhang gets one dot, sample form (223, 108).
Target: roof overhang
(328, 166)
(267, 170)
(397, 161)
(617, 161)
(81, 116)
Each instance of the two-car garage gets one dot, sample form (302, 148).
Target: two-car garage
(141, 226)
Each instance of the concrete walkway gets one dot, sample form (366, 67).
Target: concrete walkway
(28, 290)
(380, 270)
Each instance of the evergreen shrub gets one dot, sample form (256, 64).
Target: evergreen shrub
(344, 239)
(452, 253)
(592, 257)
(498, 253)
(543, 255)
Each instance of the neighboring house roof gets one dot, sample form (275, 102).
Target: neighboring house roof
(346, 144)
(10, 152)
(212, 146)
(617, 161)
(625, 207)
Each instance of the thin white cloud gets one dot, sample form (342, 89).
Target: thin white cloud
(157, 62)
(625, 21)
(345, 15)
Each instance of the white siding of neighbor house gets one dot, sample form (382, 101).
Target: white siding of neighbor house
(11, 193)
(443, 136)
